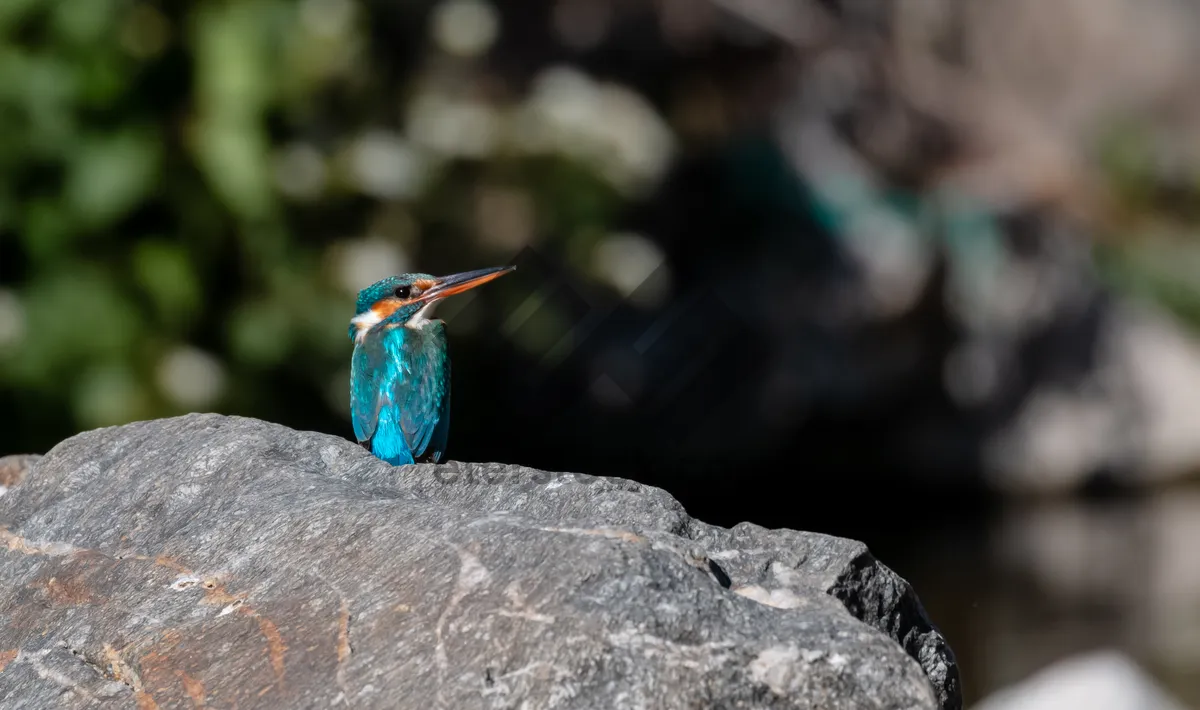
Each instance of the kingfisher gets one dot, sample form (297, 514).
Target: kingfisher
(400, 370)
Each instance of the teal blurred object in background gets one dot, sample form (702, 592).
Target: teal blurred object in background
(871, 269)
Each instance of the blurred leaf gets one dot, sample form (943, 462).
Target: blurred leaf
(84, 21)
(1126, 160)
(111, 174)
(15, 11)
(108, 395)
(164, 271)
(233, 69)
(323, 321)
(233, 155)
(46, 230)
(261, 333)
(541, 330)
(37, 94)
(572, 196)
(103, 80)
(76, 315)
(1160, 269)
(316, 56)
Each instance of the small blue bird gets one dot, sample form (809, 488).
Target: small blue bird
(400, 370)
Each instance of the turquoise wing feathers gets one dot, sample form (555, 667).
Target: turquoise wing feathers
(422, 392)
(364, 388)
(400, 393)
(441, 433)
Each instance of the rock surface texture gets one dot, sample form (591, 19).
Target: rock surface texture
(13, 470)
(226, 562)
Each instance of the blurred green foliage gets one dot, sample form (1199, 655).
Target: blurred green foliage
(189, 195)
(191, 192)
(1147, 245)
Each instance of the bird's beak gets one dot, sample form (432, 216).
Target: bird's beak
(457, 283)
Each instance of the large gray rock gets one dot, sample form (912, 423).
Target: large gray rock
(231, 562)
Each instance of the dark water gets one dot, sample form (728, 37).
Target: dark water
(1031, 584)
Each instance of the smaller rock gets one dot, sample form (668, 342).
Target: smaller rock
(1105, 680)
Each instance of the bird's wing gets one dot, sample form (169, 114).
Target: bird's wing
(424, 396)
(441, 432)
(367, 367)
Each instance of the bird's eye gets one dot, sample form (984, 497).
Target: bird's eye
(403, 291)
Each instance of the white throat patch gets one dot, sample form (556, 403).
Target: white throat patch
(421, 318)
(368, 319)
(365, 321)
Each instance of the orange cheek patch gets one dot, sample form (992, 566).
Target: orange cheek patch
(386, 307)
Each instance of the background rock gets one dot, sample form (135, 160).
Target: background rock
(228, 560)
(1077, 576)
(1104, 680)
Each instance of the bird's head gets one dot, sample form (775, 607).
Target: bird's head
(408, 299)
